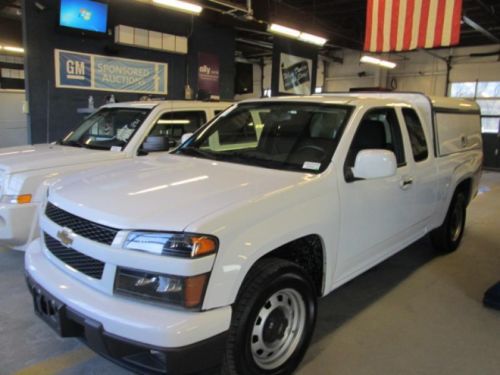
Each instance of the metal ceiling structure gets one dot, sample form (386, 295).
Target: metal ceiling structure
(341, 21)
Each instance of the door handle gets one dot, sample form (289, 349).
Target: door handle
(406, 182)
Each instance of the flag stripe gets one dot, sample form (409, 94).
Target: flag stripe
(455, 30)
(368, 34)
(416, 24)
(387, 24)
(438, 34)
(394, 25)
(424, 18)
(410, 10)
(446, 38)
(380, 28)
(374, 27)
(401, 25)
(431, 24)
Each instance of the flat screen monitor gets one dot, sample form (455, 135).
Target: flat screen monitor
(84, 15)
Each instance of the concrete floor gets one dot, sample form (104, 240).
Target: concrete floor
(416, 313)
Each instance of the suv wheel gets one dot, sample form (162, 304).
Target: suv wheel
(273, 320)
(447, 237)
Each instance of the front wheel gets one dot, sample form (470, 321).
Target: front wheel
(273, 320)
(447, 237)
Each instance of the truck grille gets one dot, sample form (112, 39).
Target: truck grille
(80, 262)
(85, 228)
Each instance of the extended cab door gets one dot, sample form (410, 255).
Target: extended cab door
(376, 214)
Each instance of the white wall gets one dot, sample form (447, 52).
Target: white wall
(13, 122)
(416, 71)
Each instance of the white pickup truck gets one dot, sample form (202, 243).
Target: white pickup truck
(114, 132)
(215, 254)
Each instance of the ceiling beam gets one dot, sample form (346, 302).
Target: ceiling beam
(480, 29)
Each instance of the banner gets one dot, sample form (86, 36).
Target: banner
(94, 72)
(295, 75)
(208, 73)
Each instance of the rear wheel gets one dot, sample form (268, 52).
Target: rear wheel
(273, 320)
(447, 237)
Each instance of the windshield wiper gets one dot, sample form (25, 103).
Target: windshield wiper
(197, 152)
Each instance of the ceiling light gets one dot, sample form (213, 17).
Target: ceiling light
(283, 30)
(314, 39)
(13, 49)
(183, 6)
(379, 62)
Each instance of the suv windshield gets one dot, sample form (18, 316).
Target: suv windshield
(292, 136)
(109, 127)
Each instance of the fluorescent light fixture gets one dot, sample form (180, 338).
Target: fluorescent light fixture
(373, 60)
(313, 39)
(174, 122)
(13, 49)
(283, 30)
(296, 34)
(183, 6)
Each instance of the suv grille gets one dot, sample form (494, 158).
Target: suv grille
(85, 228)
(80, 262)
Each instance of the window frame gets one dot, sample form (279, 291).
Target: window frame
(411, 132)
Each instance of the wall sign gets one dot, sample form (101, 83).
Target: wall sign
(295, 74)
(208, 73)
(94, 72)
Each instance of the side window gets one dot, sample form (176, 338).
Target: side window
(379, 129)
(174, 124)
(417, 135)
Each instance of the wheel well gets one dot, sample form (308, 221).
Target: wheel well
(307, 252)
(465, 186)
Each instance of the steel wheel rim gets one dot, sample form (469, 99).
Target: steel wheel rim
(278, 329)
(457, 219)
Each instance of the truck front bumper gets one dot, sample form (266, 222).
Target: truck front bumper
(16, 223)
(141, 337)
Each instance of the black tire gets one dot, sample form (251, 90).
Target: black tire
(267, 281)
(447, 237)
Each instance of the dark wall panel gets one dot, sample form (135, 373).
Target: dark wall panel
(53, 111)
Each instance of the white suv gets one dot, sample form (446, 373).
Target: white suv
(115, 132)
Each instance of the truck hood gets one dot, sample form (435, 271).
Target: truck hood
(42, 156)
(166, 193)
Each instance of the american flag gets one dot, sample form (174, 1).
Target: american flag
(403, 25)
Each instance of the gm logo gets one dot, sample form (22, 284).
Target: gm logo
(74, 69)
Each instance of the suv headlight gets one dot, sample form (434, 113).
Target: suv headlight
(16, 199)
(182, 291)
(186, 245)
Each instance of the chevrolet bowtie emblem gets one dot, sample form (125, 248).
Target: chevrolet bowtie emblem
(65, 236)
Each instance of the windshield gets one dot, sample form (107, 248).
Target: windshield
(107, 128)
(292, 136)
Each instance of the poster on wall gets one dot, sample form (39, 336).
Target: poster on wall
(208, 75)
(103, 73)
(295, 74)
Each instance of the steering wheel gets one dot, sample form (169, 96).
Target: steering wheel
(314, 148)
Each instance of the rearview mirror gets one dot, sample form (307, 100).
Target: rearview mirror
(185, 137)
(376, 163)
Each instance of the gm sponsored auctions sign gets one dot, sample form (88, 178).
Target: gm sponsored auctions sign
(94, 72)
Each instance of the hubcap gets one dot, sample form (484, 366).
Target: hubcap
(456, 222)
(278, 328)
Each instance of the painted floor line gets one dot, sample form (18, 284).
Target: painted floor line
(59, 363)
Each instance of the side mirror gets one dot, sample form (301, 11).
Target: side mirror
(156, 143)
(185, 137)
(376, 163)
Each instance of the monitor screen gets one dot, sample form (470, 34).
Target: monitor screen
(84, 14)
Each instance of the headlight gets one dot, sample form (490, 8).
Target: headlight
(185, 245)
(16, 199)
(177, 290)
